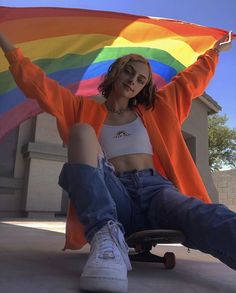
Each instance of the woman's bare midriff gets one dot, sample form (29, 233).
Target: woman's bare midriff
(132, 162)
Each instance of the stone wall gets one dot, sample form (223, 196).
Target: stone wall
(225, 182)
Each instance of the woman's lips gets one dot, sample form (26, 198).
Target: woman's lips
(128, 87)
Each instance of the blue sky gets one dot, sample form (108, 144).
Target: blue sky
(214, 13)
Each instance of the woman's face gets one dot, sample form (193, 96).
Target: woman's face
(131, 80)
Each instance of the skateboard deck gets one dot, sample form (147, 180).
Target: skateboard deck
(143, 241)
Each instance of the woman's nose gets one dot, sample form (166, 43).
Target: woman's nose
(132, 79)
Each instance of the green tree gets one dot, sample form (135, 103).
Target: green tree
(222, 143)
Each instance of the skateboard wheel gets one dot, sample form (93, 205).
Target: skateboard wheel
(169, 260)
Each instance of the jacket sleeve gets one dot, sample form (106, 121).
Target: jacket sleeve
(188, 84)
(52, 97)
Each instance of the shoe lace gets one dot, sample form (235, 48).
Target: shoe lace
(109, 235)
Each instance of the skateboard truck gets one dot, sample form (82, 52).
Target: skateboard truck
(143, 241)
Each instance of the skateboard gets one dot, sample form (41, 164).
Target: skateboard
(143, 241)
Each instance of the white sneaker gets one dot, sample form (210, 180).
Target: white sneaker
(108, 262)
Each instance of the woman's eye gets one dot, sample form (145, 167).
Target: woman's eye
(141, 81)
(127, 71)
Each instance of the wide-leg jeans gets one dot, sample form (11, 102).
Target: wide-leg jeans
(139, 200)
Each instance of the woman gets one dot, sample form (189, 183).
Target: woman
(128, 166)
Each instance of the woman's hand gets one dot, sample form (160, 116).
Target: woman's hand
(224, 44)
(5, 44)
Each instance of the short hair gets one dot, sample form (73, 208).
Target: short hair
(146, 96)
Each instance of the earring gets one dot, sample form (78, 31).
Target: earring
(134, 102)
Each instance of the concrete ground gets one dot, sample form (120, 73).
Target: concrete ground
(32, 261)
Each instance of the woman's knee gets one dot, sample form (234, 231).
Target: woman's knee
(83, 144)
(81, 130)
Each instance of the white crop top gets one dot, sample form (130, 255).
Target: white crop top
(130, 138)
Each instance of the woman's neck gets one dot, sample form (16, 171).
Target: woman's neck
(117, 106)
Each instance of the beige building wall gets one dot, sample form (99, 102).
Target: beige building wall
(225, 182)
(32, 190)
(196, 127)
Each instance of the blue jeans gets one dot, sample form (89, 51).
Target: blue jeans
(140, 200)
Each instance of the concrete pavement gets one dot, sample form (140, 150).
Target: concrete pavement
(32, 261)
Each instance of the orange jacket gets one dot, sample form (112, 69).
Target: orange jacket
(163, 125)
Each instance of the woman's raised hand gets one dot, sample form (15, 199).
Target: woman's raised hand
(225, 43)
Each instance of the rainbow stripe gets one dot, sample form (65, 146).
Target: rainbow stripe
(76, 47)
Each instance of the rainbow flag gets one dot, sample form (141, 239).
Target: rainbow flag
(76, 47)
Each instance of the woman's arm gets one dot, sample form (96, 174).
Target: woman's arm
(52, 97)
(192, 82)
